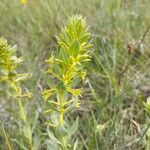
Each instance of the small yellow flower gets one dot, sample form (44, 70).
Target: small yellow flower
(24, 1)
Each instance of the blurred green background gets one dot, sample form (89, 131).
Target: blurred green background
(112, 114)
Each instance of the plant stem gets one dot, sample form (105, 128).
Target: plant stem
(61, 111)
(64, 145)
(23, 116)
(21, 111)
(61, 119)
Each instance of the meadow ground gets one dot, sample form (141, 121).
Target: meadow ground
(112, 115)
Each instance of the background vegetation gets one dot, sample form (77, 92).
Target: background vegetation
(112, 114)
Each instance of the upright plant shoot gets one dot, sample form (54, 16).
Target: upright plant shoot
(67, 70)
(12, 80)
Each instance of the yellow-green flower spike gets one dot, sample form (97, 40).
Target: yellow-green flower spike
(67, 66)
(8, 68)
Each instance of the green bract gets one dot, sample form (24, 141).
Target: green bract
(8, 57)
(67, 67)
